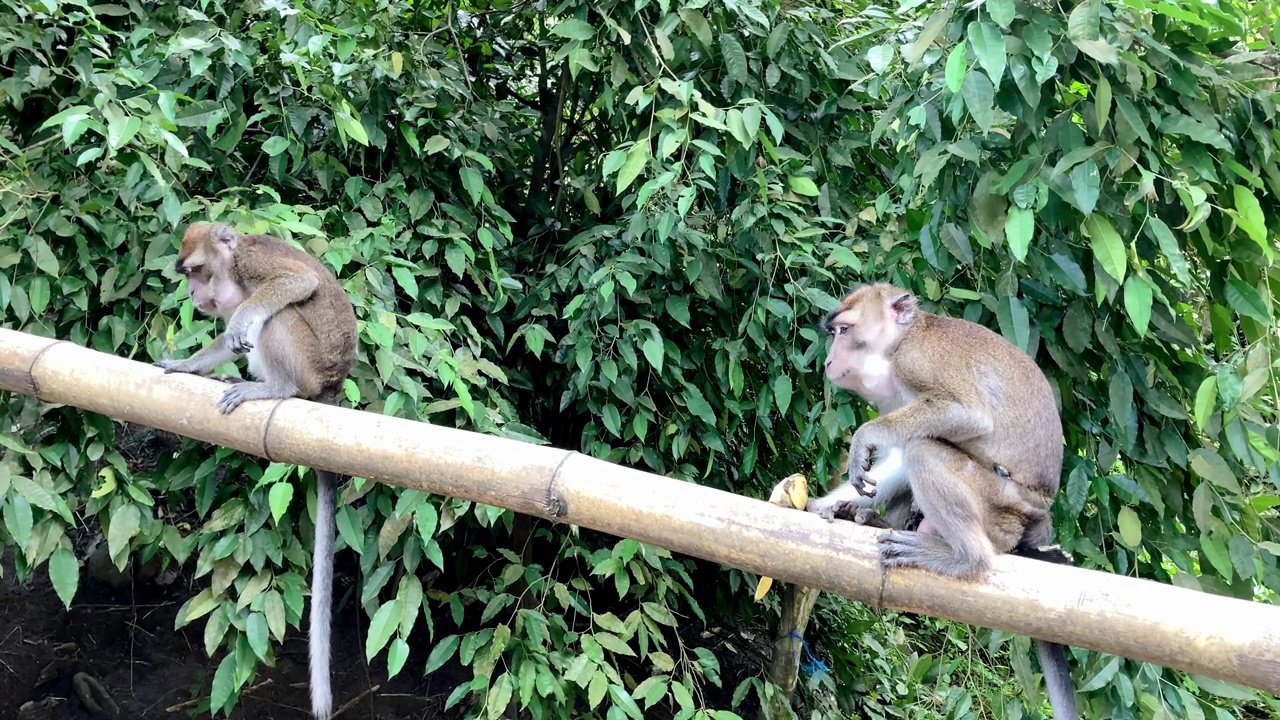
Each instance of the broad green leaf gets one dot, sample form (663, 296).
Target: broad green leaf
(385, 621)
(437, 143)
(440, 654)
(1019, 227)
(988, 46)
(782, 393)
(1015, 324)
(751, 121)
(957, 66)
(472, 182)
(1137, 302)
(654, 352)
(1251, 218)
(125, 523)
(279, 497)
(933, 27)
(18, 519)
(1130, 527)
(1246, 300)
(698, 404)
(637, 158)
(1205, 397)
(397, 654)
(1217, 555)
(1209, 465)
(64, 574)
(879, 57)
(273, 611)
(223, 683)
(275, 145)
(1002, 11)
(1229, 386)
(735, 58)
(700, 27)
(1177, 124)
(256, 632)
(979, 98)
(574, 29)
(737, 128)
(801, 185)
(1169, 246)
(1102, 101)
(1086, 184)
(678, 308)
(1107, 246)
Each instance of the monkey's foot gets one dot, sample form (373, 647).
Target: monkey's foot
(826, 512)
(229, 379)
(244, 391)
(869, 517)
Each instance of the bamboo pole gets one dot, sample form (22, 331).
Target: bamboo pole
(1220, 637)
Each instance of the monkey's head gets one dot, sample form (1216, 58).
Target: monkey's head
(865, 330)
(205, 259)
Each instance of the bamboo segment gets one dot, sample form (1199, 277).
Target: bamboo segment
(1217, 636)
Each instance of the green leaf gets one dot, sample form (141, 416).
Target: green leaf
(1002, 11)
(699, 25)
(1169, 246)
(1107, 246)
(18, 519)
(1102, 101)
(1137, 303)
(1177, 124)
(737, 128)
(348, 522)
(1244, 299)
(1251, 218)
(397, 654)
(223, 683)
(1229, 386)
(472, 182)
(385, 621)
(698, 404)
(879, 57)
(735, 58)
(121, 130)
(279, 497)
(1217, 555)
(933, 27)
(979, 98)
(256, 633)
(574, 29)
(1205, 397)
(125, 524)
(64, 574)
(437, 143)
(441, 653)
(351, 126)
(612, 420)
(802, 185)
(678, 309)
(275, 145)
(1130, 528)
(1019, 227)
(988, 46)
(637, 157)
(1014, 322)
(782, 393)
(1086, 184)
(957, 66)
(1209, 465)
(273, 611)
(654, 352)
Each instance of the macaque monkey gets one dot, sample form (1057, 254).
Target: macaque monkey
(968, 431)
(287, 312)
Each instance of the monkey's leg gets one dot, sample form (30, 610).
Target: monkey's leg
(951, 488)
(272, 363)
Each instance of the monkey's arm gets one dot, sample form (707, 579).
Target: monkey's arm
(205, 360)
(930, 415)
(268, 299)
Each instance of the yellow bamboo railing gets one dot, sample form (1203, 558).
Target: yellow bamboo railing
(1220, 637)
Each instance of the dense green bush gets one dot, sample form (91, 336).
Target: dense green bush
(613, 227)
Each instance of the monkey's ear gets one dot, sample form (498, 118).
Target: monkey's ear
(904, 307)
(224, 235)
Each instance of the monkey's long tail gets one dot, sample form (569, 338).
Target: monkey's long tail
(322, 596)
(1053, 657)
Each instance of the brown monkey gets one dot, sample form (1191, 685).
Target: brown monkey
(288, 313)
(968, 430)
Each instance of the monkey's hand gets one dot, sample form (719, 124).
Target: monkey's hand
(865, 442)
(241, 325)
(169, 365)
(824, 510)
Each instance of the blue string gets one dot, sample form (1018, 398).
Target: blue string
(812, 664)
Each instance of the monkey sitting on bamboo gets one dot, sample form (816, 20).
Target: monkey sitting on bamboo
(968, 433)
(286, 311)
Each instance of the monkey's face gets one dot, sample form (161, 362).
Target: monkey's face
(210, 279)
(865, 330)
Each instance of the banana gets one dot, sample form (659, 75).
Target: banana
(792, 492)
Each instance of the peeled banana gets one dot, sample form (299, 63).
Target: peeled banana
(792, 492)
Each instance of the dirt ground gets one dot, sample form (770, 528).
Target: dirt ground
(124, 638)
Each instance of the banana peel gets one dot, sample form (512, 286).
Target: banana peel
(792, 492)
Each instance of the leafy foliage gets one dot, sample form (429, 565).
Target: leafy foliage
(613, 227)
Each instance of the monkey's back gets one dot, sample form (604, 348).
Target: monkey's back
(1026, 436)
(327, 312)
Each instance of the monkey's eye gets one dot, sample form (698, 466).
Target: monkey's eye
(842, 329)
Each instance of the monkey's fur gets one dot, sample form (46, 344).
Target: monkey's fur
(968, 431)
(286, 310)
